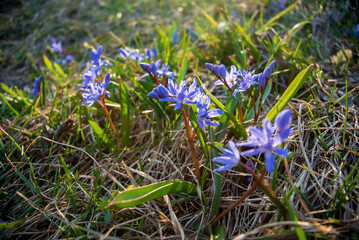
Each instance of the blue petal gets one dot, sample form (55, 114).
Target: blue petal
(170, 99)
(201, 123)
(223, 168)
(210, 123)
(178, 105)
(253, 152)
(233, 148)
(269, 161)
(281, 152)
(214, 113)
(283, 120)
(209, 66)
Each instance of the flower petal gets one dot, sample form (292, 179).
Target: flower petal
(269, 161)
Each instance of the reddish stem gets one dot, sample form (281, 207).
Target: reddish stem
(191, 144)
(103, 105)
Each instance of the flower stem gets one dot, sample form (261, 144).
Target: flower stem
(191, 145)
(259, 107)
(244, 196)
(103, 105)
(164, 80)
(240, 112)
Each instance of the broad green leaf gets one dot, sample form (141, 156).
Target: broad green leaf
(125, 115)
(48, 64)
(140, 195)
(96, 129)
(14, 224)
(289, 93)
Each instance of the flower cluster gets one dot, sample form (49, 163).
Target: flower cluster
(182, 95)
(262, 141)
(138, 57)
(93, 89)
(153, 70)
(241, 78)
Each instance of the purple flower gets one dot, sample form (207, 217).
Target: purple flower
(204, 113)
(247, 79)
(179, 94)
(282, 4)
(264, 77)
(230, 77)
(56, 46)
(36, 87)
(264, 142)
(230, 158)
(95, 90)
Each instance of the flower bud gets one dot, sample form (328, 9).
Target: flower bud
(261, 80)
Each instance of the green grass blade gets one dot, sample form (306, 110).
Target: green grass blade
(140, 195)
(289, 93)
(276, 17)
(218, 233)
(183, 70)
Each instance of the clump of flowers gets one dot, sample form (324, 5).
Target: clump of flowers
(266, 139)
(57, 49)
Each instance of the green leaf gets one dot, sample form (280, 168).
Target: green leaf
(59, 70)
(96, 129)
(183, 70)
(125, 115)
(48, 64)
(218, 233)
(14, 224)
(140, 195)
(289, 93)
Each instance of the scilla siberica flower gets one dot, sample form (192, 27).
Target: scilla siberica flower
(153, 70)
(179, 94)
(230, 77)
(264, 77)
(132, 54)
(95, 90)
(230, 158)
(264, 142)
(36, 88)
(204, 113)
(247, 78)
(56, 46)
(97, 63)
(151, 53)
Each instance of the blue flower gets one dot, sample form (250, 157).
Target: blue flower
(282, 4)
(179, 94)
(150, 69)
(247, 79)
(204, 113)
(69, 59)
(175, 36)
(151, 53)
(154, 70)
(97, 63)
(56, 46)
(88, 78)
(132, 54)
(264, 142)
(230, 158)
(95, 90)
(264, 77)
(159, 92)
(230, 77)
(164, 71)
(36, 87)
